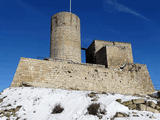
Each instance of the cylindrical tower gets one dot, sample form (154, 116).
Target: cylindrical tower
(65, 37)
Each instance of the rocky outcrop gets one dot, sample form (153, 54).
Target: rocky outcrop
(141, 105)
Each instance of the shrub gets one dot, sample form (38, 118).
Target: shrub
(57, 109)
(92, 94)
(93, 109)
(96, 109)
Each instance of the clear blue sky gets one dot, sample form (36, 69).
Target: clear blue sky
(25, 29)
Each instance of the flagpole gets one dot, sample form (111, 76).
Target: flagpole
(70, 6)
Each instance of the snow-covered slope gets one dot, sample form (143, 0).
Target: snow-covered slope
(27, 103)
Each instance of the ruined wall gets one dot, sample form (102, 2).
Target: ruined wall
(65, 37)
(115, 51)
(131, 79)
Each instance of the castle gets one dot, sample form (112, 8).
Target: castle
(109, 65)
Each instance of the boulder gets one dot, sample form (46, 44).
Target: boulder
(152, 110)
(127, 103)
(119, 114)
(158, 107)
(138, 101)
(151, 104)
(143, 107)
(119, 100)
(132, 107)
(1, 100)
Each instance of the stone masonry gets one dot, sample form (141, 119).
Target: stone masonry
(110, 54)
(109, 65)
(65, 37)
(131, 79)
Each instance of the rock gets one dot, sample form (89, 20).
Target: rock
(17, 108)
(138, 101)
(132, 107)
(104, 93)
(126, 103)
(119, 100)
(1, 100)
(143, 107)
(158, 107)
(158, 94)
(95, 99)
(119, 114)
(1, 111)
(92, 94)
(135, 115)
(152, 110)
(151, 104)
(7, 114)
(158, 103)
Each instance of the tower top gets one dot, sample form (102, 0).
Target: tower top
(65, 12)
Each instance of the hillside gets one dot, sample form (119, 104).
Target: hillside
(27, 103)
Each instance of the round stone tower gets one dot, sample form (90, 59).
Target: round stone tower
(65, 37)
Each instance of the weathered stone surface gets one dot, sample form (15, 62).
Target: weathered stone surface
(158, 103)
(92, 94)
(151, 104)
(138, 101)
(54, 74)
(127, 103)
(1, 111)
(65, 37)
(119, 114)
(9, 112)
(141, 107)
(1, 100)
(119, 100)
(152, 110)
(158, 107)
(17, 108)
(132, 107)
(109, 53)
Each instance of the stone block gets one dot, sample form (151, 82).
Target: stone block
(120, 114)
(119, 100)
(152, 110)
(141, 107)
(127, 103)
(138, 101)
(132, 107)
(157, 108)
(151, 104)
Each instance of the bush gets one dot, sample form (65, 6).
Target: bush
(97, 110)
(57, 109)
(93, 109)
(92, 94)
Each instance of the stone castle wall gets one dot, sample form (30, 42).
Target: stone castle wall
(129, 79)
(116, 53)
(65, 37)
